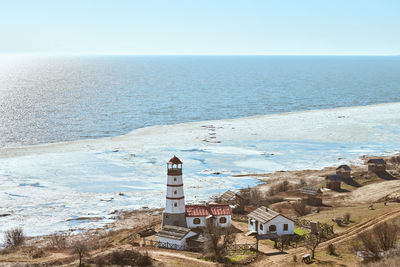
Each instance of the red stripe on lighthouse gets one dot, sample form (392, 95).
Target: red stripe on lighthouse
(174, 185)
(175, 198)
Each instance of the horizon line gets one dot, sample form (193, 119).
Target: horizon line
(188, 54)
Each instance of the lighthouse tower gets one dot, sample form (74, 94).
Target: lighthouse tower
(174, 213)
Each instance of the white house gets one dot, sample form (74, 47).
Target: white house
(265, 221)
(174, 235)
(197, 215)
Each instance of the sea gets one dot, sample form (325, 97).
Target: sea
(84, 138)
(52, 99)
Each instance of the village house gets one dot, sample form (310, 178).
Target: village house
(235, 200)
(376, 165)
(265, 221)
(333, 182)
(344, 171)
(312, 196)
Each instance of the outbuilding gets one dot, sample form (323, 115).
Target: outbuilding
(344, 171)
(313, 196)
(333, 181)
(235, 200)
(174, 237)
(265, 221)
(376, 165)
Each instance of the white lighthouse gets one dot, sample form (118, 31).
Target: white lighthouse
(175, 212)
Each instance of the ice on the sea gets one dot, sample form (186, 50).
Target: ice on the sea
(48, 188)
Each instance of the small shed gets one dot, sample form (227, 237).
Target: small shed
(313, 196)
(174, 236)
(344, 171)
(333, 181)
(376, 165)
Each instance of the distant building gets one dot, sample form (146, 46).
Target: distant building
(344, 171)
(333, 181)
(235, 200)
(376, 165)
(265, 221)
(313, 196)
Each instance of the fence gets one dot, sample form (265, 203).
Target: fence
(325, 230)
(231, 248)
(158, 244)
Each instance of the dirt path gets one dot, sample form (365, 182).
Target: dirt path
(178, 258)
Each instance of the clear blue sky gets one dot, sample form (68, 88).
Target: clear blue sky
(273, 27)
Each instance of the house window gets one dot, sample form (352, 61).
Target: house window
(222, 220)
(175, 204)
(175, 192)
(196, 221)
(261, 227)
(272, 228)
(285, 227)
(251, 222)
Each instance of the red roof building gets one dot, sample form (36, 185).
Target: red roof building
(208, 210)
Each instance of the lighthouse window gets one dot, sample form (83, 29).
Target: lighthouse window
(174, 179)
(196, 221)
(175, 204)
(175, 192)
(222, 220)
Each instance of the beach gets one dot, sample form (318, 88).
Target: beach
(48, 188)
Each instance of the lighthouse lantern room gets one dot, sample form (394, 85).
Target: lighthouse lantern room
(174, 213)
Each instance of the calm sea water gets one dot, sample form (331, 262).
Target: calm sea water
(55, 99)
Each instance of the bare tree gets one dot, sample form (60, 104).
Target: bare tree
(312, 243)
(386, 235)
(80, 248)
(381, 238)
(14, 237)
(218, 240)
(300, 208)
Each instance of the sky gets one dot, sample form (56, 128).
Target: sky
(242, 27)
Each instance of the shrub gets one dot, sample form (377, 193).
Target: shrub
(381, 238)
(217, 241)
(331, 250)
(300, 208)
(347, 217)
(58, 241)
(125, 258)
(14, 237)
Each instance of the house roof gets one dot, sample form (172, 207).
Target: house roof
(211, 209)
(263, 214)
(311, 191)
(344, 167)
(173, 232)
(377, 161)
(174, 160)
(228, 196)
(334, 178)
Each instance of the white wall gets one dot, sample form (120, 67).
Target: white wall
(190, 224)
(170, 203)
(228, 220)
(181, 242)
(278, 222)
